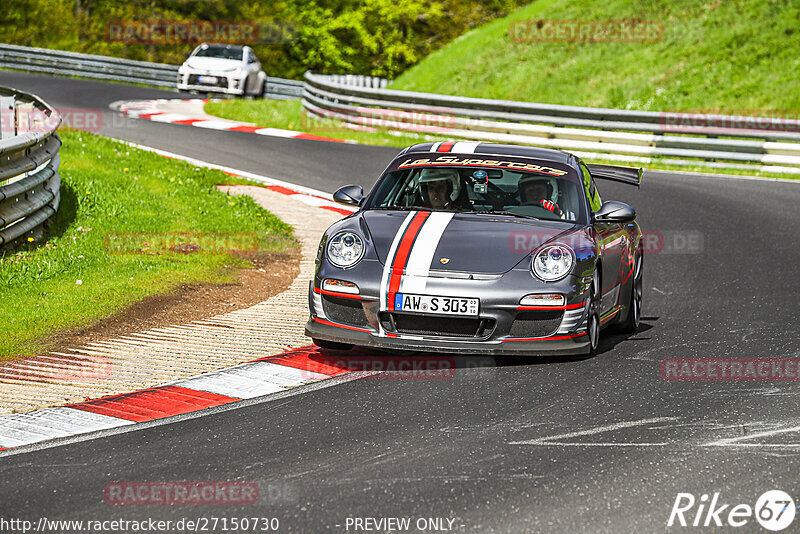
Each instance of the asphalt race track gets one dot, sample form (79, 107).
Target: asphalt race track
(602, 444)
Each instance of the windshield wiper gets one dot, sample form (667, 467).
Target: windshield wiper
(503, 212)
(401, 208)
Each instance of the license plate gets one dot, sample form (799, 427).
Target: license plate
(441, 305)
(207, 79)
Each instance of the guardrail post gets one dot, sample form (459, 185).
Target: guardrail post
(24, 117)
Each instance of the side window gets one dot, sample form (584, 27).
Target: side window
(592, 195)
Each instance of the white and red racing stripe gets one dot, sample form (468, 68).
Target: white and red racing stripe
(387, 267)
(459, 147)
(398, 262)
(419, 261)
(411, 254)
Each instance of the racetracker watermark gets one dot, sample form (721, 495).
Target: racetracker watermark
(730, 369)
(774, 510)
(748, 120)
(432, 120)
(180, 242)
(653, 241)
(39, 121)
(170, 32)
(398, 367)
(180, 493)
(586, 31)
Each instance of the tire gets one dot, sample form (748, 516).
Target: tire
(631, 323)
(331, 345)
(262, 91)
(593, 320)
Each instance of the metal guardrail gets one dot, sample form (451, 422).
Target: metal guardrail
(87, 65)
(29, 181)
(625, 135)
(110, 68)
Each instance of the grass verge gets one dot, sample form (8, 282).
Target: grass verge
(131, 224)
(289, 114)
(735, 56)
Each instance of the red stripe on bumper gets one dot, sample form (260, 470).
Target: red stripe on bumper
(348, 327)
(553, 308)
(337, 294)
(551, 338)
(155, 403)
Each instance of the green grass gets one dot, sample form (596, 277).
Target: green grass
(109, 194)
(289, 114)
(736, 56)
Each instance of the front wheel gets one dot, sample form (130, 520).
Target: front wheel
(631, 324)
(593, 320)
(331, 345)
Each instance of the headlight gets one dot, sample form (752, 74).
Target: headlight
(553, 262)
(345, 249)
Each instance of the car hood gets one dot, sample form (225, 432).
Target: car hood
(212, 63)
(460, 242)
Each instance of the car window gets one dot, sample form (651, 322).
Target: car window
(471, 189)
(223, 52)
(590, 189)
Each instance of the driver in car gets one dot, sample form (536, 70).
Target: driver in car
(440, 188)
(538, 191)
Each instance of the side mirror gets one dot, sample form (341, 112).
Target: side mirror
(352, 195)
(614, 211)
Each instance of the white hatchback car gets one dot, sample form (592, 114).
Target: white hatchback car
(219, 68)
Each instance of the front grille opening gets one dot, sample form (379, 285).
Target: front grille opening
(194, 79)
(426, 325)
(344, 310)
(536, 323)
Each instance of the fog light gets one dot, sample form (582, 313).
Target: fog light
(340, 286)
(547, 299)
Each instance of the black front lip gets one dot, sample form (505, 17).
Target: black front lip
(568, 344)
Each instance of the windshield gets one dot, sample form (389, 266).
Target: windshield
(224, 52)
(481, 190)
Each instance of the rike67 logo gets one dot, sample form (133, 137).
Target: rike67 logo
(774, 510)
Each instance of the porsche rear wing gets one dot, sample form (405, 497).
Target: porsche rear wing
(626, 175)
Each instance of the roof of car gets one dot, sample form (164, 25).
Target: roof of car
(533, 152)
(222, 45)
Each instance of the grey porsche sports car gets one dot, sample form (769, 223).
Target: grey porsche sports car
(479, 248)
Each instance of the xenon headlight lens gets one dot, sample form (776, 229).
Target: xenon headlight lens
(553, 262)
(345, 249)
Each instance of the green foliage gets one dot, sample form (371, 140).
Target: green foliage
(374, 37)
(734, 56)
